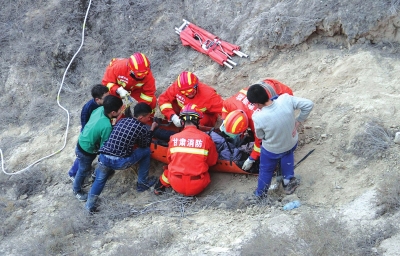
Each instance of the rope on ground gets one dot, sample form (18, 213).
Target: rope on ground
(58, 102)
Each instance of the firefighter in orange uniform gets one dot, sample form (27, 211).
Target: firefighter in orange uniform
(132, 77)
(190, 154)
(188, 89)
(237, 114)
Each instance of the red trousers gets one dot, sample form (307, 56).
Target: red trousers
(184, 184)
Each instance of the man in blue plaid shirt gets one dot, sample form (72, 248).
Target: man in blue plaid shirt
(118, 152)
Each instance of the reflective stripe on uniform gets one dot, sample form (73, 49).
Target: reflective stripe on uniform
(109, 85)
(165, 179)
(165, 105)
(224, 110)
(243, 91)
(197, 151)
(257, 149)
(123, 84)
(139, 84)
(146, 98)
(203, 109)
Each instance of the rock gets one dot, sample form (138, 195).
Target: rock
(397, 138)
(332, 160)
(96, 244)
(340, 167)
(222, 206)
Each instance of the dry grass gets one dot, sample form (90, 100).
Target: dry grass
(65, 234)
(388, 194)
(153, 240)
(373, 141)
(319, 235)
(370, 238)
(28, 183)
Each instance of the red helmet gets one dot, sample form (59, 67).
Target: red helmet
(190, 112)
(236, 122)
(139, 65)
(187, 80)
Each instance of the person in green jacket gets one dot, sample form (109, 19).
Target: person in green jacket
(94, 134)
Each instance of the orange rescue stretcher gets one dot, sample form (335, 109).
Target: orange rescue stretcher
(209, 44)
(159, 150)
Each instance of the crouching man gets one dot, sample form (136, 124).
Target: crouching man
(118, 152)
(190, 154)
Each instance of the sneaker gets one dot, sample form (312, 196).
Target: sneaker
(71, 178)
(140, 187)
(291, 186)
(81, 196)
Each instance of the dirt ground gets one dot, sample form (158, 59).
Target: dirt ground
(352, 86)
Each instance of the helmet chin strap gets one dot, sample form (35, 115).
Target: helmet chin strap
(134, 77)
(195, 122)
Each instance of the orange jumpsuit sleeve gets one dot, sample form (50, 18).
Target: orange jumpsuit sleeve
(111, 76)
(165, 101)
(147, 94)
(279, 87)
(255, 153)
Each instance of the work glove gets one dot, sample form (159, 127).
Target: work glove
(248, 163)
(122, 92)
(176, 120)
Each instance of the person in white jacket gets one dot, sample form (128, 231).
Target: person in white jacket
(276, 125)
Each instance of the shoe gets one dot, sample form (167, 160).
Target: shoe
(159, 188)
(140, 187)
(260, 196)
(81, 196)
(291, 186)
(71, 178)
(92, 211)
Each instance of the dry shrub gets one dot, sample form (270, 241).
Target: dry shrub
(64, 235)
(28, 183)
(388, 194)
(10, 222)
(313, 236)
(265, 243)
(373, 141)
(324, 236)
(371, 238)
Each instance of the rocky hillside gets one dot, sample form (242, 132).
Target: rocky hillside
(343, 56)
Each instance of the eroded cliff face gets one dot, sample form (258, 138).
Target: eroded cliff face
(343, 56)
(39, 39)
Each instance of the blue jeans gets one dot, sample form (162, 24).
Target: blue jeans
(268, 162)
(161, 133)
(107, 164)
(74, 168)
(85, 165)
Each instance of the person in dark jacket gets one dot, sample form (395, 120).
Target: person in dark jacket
(118, 152)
